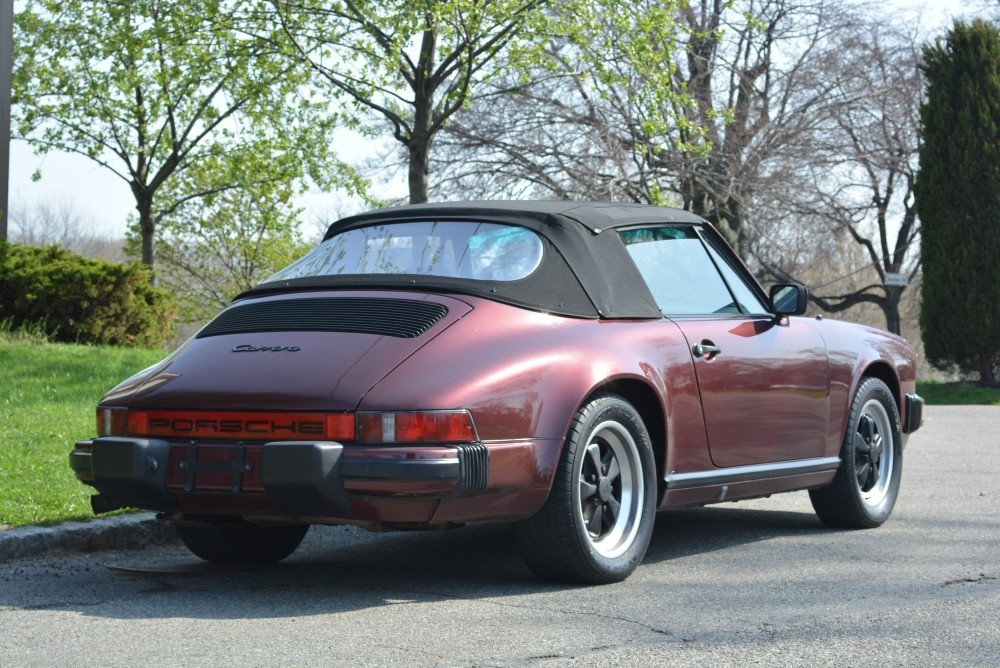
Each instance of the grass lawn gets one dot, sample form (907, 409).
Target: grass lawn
(48, 396)
(958, 393)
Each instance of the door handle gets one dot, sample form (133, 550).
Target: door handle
(706, 349)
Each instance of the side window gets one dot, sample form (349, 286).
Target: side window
(744, 295)
(678, 270)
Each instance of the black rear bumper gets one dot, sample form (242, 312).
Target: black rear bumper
(302, 478)
(130, 472)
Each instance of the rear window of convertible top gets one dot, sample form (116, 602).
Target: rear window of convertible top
(453, 249)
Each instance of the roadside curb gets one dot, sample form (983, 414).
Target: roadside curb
(121, 532)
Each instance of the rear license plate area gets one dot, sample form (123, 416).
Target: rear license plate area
(212, 467)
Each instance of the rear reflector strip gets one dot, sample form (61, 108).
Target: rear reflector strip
(400, 427)
(235, 425)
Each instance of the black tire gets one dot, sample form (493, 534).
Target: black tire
(864, 491)
(241, 543)
(596, 524)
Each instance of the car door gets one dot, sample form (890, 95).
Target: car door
(764, 381)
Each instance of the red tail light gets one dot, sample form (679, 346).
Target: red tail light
(416, 427)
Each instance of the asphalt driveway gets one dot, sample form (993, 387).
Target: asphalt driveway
(760, 582)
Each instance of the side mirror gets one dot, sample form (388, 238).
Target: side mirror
(789, 298)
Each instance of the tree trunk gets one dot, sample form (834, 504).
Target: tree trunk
(731, 224)
(420, 147)
(422, 135)
(891, 308)
(419, 171)
(728, 221)
(147, 223)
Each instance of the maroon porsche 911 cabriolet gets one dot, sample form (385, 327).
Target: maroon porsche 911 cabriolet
(573, 367)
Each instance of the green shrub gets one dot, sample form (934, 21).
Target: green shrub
(80, 300)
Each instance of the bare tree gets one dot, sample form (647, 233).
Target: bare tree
(59, 223)
(797, 137)
(734, 85)
(412, 65)
(858, 179)
(756, 71)
(551, 139)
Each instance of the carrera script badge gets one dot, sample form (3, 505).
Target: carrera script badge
(246, 348)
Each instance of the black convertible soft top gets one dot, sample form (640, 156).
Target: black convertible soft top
(585, 272)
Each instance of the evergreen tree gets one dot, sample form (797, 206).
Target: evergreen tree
(958, 199)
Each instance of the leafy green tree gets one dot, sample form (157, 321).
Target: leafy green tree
(413, 65)
(150, 88)
(214, 247)
(958, 199)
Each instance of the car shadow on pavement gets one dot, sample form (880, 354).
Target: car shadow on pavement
(340, 569)
(695, 531)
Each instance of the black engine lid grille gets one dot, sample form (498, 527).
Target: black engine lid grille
(402, 318)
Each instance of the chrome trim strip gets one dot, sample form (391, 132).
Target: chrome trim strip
(749, 473)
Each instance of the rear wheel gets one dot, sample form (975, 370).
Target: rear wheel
(597, 522)
(863, 493)
(241, 543)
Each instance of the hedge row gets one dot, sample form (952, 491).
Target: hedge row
(79, 300)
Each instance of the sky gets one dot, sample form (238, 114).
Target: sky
(104, 201)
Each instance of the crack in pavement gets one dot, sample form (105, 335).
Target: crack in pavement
(980, 579)
(576, 613)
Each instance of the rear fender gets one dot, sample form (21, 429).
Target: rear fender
(528, 379)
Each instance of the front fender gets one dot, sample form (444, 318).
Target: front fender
(857, 353)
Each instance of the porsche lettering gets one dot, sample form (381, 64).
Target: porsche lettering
(207, 427)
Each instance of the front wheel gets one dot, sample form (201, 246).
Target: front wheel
(597, 522)
(241, 543)
(863, 493)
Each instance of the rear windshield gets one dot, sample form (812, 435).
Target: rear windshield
(454, 249)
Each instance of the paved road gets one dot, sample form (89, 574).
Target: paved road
(755, 583)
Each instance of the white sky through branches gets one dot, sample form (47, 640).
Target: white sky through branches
(105, 201)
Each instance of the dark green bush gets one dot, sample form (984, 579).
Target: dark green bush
(80, 300)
